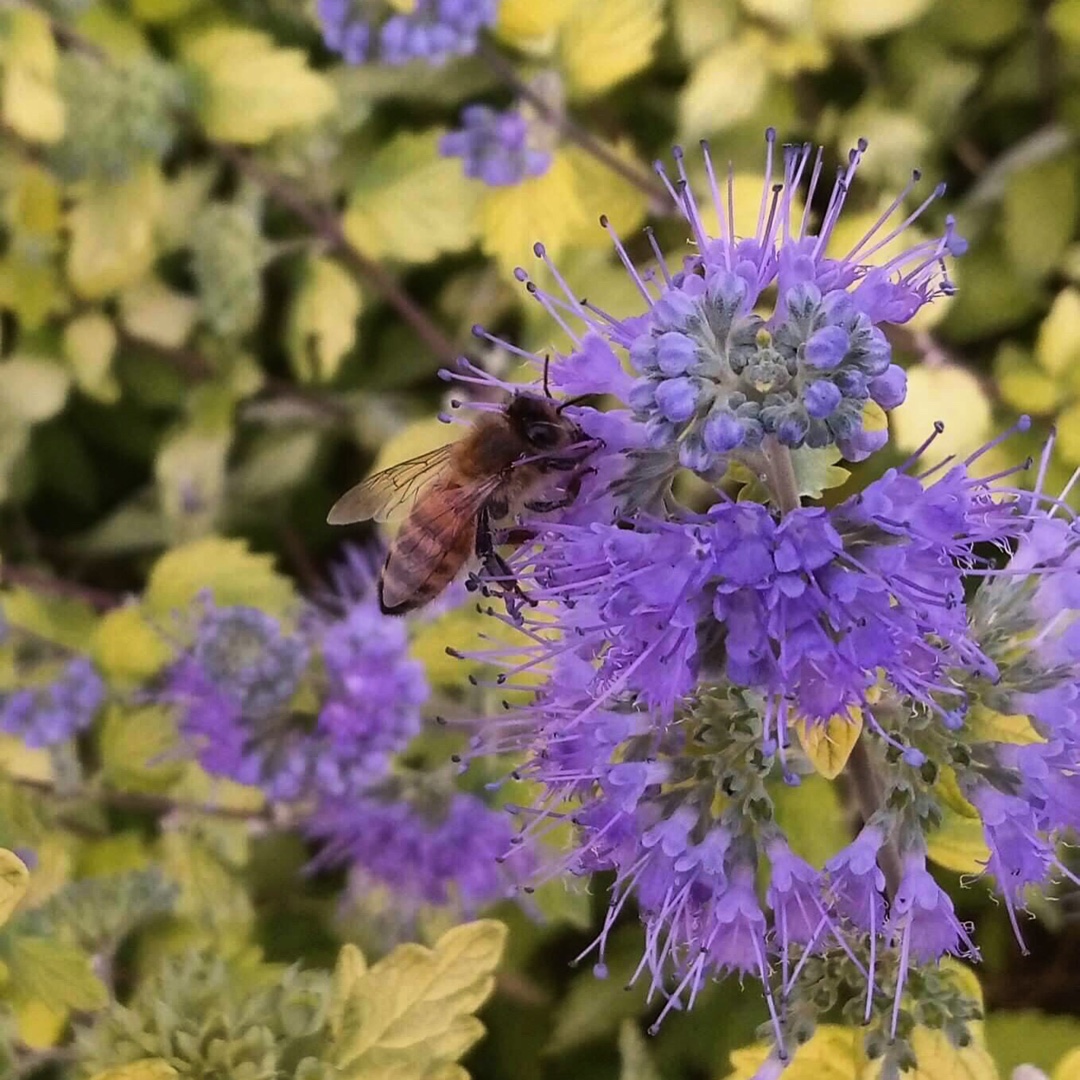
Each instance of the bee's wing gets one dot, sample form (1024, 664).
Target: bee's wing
(384, 493)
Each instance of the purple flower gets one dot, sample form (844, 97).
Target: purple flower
(495, 147)
(234, 691)
(58, 711)
(715, 376)
(855, 883)
(435, 851)
(433, 31)
(922, 918)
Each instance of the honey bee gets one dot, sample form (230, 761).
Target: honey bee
(458, 491)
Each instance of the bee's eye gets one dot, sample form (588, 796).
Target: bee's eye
(542, 436)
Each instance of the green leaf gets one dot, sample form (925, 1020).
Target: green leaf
(31, 105)
(931, 390)
(1023, 385)
(593, 1008)
(127, 648)
(32, 389)
(226, 568)
(829, 745)
(54, 973)
(816, 471)
(410, 1016)
(89, 345)
(139, 749)
(701, 25)
(190, 474)
(991, 296)
(725, 88)
(605, 41)
(1026, 1036)
(350, 968)
(251, 89)
(112, 232)
(637, 1064)
(1040, 214)
(812, 818)
(153, 312)
(1064, 19)
(63, 620)
(322, 323)
(410, 203)
(958, 844)
(857, 19)
(832, 1053)
(147, 1069)
(1057, 347)
(14, 881)
(211, 891)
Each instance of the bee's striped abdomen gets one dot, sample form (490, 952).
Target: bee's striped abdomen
(428, 553)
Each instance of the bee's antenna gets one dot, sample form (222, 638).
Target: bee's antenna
(573, 401)
(547, 364)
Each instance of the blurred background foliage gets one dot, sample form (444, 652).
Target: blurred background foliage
(230, 269)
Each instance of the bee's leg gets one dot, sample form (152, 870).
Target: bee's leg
(569, 494)
(496, 568)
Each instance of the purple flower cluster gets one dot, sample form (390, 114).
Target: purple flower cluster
(716, 378)
(433, 31)
(693, 657)
(429, 852)
(50, 714)
(316, 716)
(494, 147)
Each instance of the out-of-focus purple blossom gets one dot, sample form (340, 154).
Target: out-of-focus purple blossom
(50, 714)
(234, 691)
(439, 851)
(433, 31)
(494, 147)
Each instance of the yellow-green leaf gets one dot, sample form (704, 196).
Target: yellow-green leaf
(226, 569)
(14, 881)
(190, 474)
(605, 41)
(987, 725)
(530, 26)
(1068, 442)
(251, 89)
(948, 791)
(833, 1053)
(411, 1014)
(322, 323)
(32, 388)
(959, 844)
(211, 892)
(112, 232)
(89, 345)
(64, 620)
(127, 648)
(932, 390)
(701, 25)
(146, 1069)
(55, 973)
(153, 312)
(349, 969)
(410, 203)
(829, 745)
(32, 106)
(637, 1063)
(1068, 1068)
(139, 749)
(546, 208)
(725, 88)
(938, 1059)
(1023, 385)
(858, 19)
(1057, 347)
(601, 191)
(1039, 214)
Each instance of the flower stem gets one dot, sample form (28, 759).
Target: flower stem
(868, 792)
(780, 476)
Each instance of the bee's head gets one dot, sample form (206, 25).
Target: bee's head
(538, 421)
